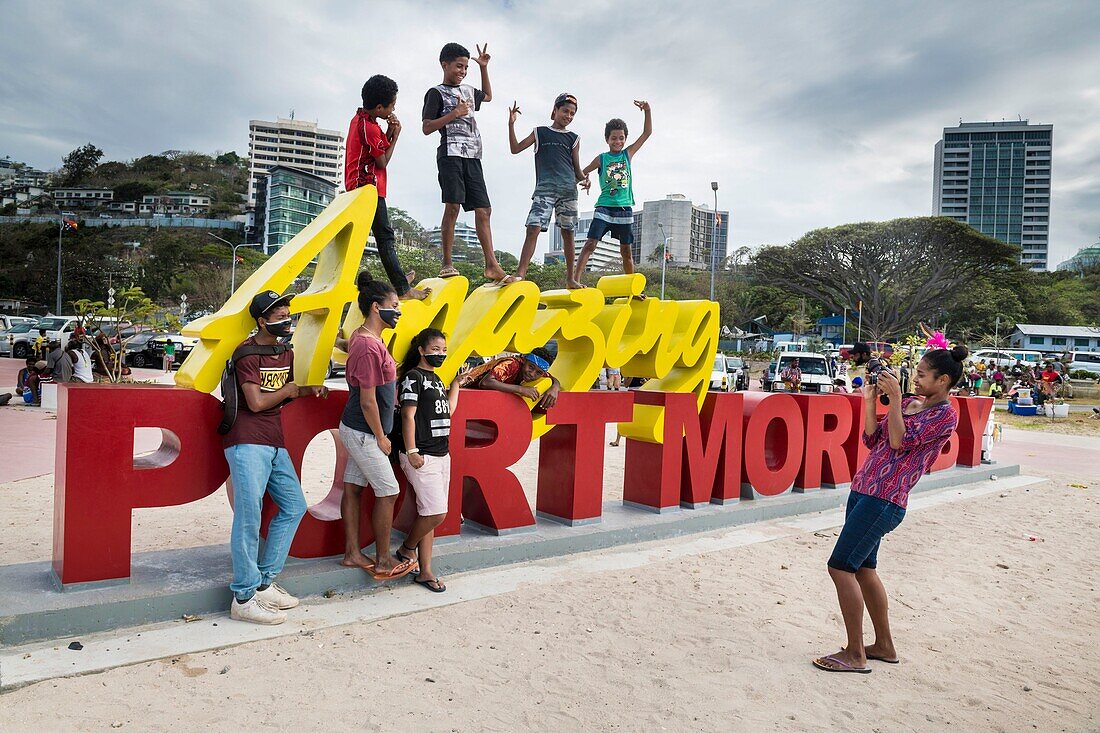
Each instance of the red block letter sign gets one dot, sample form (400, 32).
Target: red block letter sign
(490, 431)
(973, 416)
(98, 482)
(774, 439)
(828, 420)
(699, 460)
(570, 480)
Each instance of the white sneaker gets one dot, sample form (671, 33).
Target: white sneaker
(256, 611)
(277, 597)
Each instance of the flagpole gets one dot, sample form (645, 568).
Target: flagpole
(859, 329)
(60, 228)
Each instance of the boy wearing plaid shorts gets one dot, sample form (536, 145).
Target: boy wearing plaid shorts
(557, 173)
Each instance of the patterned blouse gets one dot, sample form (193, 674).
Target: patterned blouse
(890, 474)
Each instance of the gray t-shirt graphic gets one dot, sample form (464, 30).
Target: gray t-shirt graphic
(459, 137)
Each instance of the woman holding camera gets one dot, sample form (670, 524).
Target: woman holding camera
(903, 445)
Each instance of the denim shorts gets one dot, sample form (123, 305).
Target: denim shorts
(866, 520)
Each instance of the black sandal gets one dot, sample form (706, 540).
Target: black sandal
(433, 585)
(402, 559)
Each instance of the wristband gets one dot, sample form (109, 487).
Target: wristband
(410, 451)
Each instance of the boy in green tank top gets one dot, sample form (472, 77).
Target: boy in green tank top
(613, 208)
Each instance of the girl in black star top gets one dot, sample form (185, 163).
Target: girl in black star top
(426, 407)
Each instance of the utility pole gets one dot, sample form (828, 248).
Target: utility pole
(714, 238)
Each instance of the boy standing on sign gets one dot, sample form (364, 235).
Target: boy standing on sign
(557, 173)
(368, 155)
(259, 464)
(449, 109)
(614, 211)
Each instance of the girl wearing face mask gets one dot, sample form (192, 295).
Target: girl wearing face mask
(368, 418)
(426, 408)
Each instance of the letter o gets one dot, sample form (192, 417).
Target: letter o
(773, 444)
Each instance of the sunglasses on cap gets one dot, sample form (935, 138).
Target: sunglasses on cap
(565, 99)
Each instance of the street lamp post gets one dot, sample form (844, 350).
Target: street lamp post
(714, 238)
(664, 257)
(233, 259)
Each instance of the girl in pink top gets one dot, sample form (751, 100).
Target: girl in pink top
(903, 445)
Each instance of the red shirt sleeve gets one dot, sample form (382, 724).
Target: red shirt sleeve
(248, 370)
(377, 142)
(352, 152)
(507, 371)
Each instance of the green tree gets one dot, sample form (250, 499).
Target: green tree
(77, 165)
(901, 270)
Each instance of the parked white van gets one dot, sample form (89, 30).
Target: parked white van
(1087, 360)
(1008, 357)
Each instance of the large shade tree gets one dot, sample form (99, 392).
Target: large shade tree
(903, 271)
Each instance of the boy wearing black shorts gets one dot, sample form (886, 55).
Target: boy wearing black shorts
(449, 109)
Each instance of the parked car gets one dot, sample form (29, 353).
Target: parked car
(150, 353)
(57, 328)
(817, 374)
(1086, 360)
(8, 336)
(720, 380)
(7, 322)
(768, 377)
(1008, 357)
(738, 372)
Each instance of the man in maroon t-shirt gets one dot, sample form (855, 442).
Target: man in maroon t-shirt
(259, 464)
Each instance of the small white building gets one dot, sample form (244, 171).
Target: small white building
(175, 203)
(1041, 337)
(82, 196)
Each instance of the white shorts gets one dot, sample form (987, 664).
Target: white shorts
(367, 464)
(431, 482)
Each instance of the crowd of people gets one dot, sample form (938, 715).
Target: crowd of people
(53, 363)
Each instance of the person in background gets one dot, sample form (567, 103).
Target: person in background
(169, 355)
(59, 363)
(791, 376)
(41, 346)
(840, 387)
(82, 363)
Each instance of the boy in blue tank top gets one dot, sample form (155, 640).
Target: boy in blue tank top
(613, 208)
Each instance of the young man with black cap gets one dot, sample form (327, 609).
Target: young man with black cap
(259, 464)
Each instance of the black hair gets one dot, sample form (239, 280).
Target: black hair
(412, 356)
(31, 360)
(453, 51)
(860, 347)
(379, 90)
(948, 361)
(542, 353)
(614, 124)
(371, 291)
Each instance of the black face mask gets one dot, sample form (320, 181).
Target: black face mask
(279, 329)
(435, 360)
(389, 316)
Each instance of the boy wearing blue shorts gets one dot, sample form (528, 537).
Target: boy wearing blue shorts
(613, 208)
(557, 173)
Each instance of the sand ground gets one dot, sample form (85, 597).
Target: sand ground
(996, 633)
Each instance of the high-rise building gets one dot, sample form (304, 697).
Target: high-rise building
(689, 227)
(464, 232)
(995, 176)
(297, 144)
(606, 256)
(287, 201)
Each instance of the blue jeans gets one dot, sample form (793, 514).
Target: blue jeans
(256, 470)
(866, 520)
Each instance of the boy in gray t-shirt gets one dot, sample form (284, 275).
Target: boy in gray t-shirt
(557, 173)
(449, 109)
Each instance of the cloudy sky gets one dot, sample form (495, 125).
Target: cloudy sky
(808, 114)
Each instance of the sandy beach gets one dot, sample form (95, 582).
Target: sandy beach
(996, 632)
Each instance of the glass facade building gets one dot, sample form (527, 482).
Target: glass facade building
(287, 201)
(995, 176)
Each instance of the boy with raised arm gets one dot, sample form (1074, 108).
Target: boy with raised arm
(614, 210)
(557, 173)
(449, 109)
